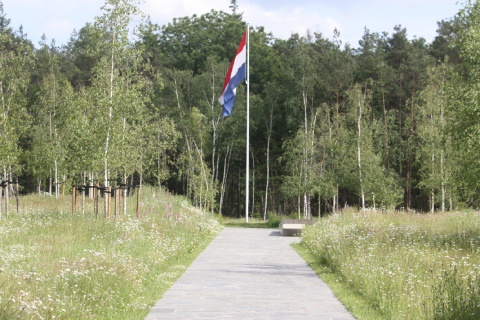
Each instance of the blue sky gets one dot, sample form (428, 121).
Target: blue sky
(58, 18)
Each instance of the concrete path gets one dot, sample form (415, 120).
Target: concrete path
(249, 274)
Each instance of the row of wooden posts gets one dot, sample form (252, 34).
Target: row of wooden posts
(118, 193)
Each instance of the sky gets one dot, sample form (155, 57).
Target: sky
(57, 19)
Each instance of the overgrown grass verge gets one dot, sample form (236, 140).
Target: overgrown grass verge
(351, 299)
(57, 265)
(406, 266)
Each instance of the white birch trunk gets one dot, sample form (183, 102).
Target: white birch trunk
(110, 115)
(359, 150)
(432, 191)
(298, 208)
(305, 156)
(124, 193)
(334, 204)
(226, 165)
(56, 179)
(6, 192)
(268, 170)
(50, 183)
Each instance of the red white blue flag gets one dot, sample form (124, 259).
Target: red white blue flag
(235, 74)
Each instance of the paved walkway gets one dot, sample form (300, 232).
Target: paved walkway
(249, 274)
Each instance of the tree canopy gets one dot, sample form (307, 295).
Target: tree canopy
(331, 125)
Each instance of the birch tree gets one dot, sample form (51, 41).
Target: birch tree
(16, 58)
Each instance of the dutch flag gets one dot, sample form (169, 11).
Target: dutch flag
(235, 74)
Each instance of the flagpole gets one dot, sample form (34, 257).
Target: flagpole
(247, 183)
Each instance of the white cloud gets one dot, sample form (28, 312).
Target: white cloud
(163, 11)
(284, 21)
(58, 18)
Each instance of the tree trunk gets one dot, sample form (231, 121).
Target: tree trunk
(334, 204)
(409, 181)
(239, 194)
(226, 166)
(410, 152)
(319, 206)
(17, 196)
(443, 196)
(432, 191)
(124, 194)
(56, 179)
(442, 160)
(265, 208)
(385, 128)
(91, 183)
(50, 183)
(298, 206)
(359, 150)
(110, 116)
(1, 200)
(451, 202)
(6, 192)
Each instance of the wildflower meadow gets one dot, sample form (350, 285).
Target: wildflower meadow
(59, 265)
(406, 266)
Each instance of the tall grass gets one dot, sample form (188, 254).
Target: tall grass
(55, 264)
(406, 266)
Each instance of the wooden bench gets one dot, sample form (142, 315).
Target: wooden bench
(293, 227)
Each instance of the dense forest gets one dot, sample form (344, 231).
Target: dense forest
(389, 123)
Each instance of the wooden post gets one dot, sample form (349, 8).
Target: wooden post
(107, 198)
(63, 186)
(138, 201)
(74, 207)
(83, 200)
(6, 197)
(17, 196)
(1, 199)
(95, 200)
(117, 201)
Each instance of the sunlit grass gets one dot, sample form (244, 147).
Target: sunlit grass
(272, 222)
(406, 266)
(55, 264)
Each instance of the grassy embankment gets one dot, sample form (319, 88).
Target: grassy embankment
(57, 265)
(399, 266)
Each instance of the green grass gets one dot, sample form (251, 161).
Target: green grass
(55, 264)
(403, 266)
(351, 298)
(272, 222)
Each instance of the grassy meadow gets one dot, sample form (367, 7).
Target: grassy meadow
(402, 266)
(59, 265)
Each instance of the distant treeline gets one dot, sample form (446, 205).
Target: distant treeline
(389, 123)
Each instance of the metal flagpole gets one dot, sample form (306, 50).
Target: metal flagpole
(247, 183)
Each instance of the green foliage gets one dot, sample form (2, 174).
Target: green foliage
(118, 104)
(464, 94)
(16, 58)
(187, 42)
